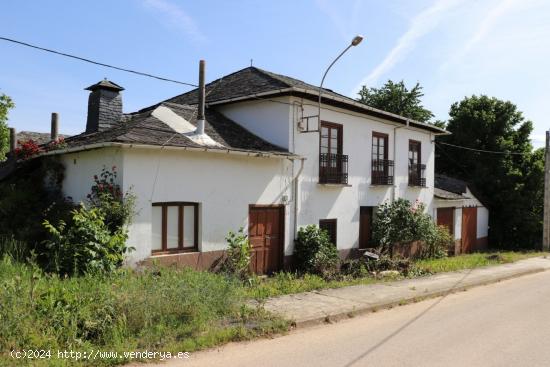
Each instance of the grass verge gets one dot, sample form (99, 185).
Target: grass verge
(289, 283)
(156, 310)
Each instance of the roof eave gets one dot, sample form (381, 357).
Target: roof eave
(242, 152)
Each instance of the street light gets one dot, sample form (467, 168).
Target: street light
(354, 42)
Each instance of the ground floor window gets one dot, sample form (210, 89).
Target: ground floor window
(366, 220)
(175, 226)
(329, 225)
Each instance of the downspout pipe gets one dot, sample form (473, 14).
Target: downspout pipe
(296, 179)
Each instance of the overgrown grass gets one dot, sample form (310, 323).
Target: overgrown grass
(472, 261)
(155, 310)
(289, 283)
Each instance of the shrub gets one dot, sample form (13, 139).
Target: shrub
(87, 245)
(106, 194)
(314, 253)
(403, 222)
(437, 243)
(239, 254)
(29, 197)
(355, 268)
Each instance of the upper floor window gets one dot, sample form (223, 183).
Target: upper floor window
(175, 226)
(416, 168)
(382, 167)
(333, 165)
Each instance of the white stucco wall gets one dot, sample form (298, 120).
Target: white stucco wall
(269, 120)
(224, 185)
(482, 222)
(343, 202)
(81, 167)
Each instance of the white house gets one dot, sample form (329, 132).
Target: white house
(258, 159)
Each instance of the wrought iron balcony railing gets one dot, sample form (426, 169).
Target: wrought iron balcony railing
(333, 168)
(416, 175)
(382, 172)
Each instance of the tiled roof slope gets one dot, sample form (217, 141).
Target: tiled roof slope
(145, 129)
(251, 82)
(246, 82)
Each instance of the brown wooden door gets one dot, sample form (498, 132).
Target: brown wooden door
(469, 229)
(365, 226)
(446, 217)
(266, 235)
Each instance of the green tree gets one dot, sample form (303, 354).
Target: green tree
(5, 105)
(397, 98)
(511, 185)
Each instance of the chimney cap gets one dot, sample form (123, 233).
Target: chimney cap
(105, 84)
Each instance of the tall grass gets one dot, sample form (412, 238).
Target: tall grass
(156, 309)
(17, 250)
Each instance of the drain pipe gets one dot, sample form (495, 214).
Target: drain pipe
(296, 178)
(394, 187)
(200, 113)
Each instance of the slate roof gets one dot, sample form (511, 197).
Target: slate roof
(450, 184)
(145, 129)
(251, 81)
(39, 138)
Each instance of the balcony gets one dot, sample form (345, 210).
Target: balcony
(416, 175)
(333, 169)
(382, 172)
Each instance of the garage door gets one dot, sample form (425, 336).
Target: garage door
(469, 229)
(445, 217)
(265, 232)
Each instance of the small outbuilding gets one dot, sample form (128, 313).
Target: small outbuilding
(458, 209)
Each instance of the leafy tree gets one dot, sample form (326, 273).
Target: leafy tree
(397, 98)
(511, 185)
(5, 105)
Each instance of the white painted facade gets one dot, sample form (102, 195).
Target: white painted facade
(224, 185)
(317, 201)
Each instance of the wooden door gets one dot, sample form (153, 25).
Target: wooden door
(446, 217)
(266, 235)
(365, 226)
(469, 229)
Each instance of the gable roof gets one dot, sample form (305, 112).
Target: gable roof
(252, 83)
(144, 128)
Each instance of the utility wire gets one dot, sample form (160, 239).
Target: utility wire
(96, 62)
(481, 150)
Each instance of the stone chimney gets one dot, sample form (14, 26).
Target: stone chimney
(104, 106)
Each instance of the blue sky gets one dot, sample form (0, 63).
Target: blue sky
(454, 48)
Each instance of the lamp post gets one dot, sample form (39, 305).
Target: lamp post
(354, 42)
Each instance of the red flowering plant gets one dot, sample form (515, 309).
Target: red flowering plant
(27, 149)
(107, 195)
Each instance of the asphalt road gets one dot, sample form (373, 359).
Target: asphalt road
(504, 324)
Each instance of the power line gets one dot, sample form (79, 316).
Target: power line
(96, 62)
(481, 150)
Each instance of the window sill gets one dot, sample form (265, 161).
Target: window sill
(173, 252)
(333, 184)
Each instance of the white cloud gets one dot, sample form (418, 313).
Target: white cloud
(423, 23)
(489, 21)
(176, 17)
